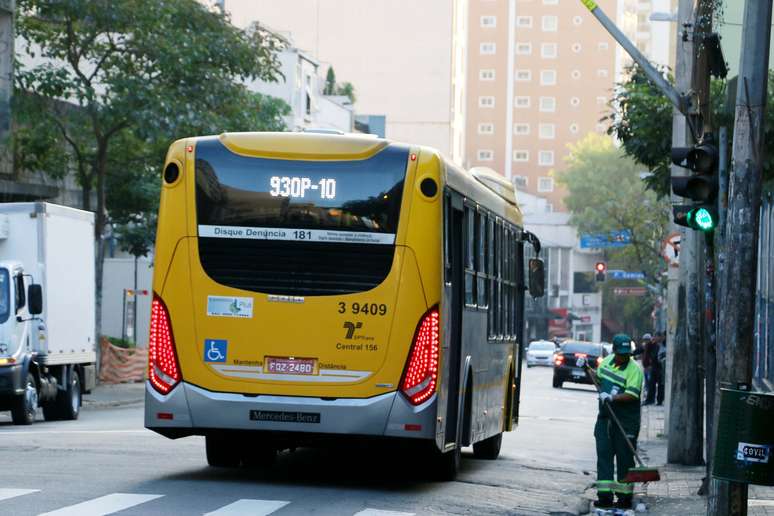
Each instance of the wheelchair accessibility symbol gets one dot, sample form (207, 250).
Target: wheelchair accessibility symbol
(215, 350)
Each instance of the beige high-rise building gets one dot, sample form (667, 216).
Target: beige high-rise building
(406, 58)
(540, 76)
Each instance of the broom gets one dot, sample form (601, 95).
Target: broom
(636, 474)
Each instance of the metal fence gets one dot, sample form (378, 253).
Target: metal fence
(763, 357)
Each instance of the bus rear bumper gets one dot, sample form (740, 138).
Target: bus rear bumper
(191, 410)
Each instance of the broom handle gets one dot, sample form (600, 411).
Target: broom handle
(617, 422)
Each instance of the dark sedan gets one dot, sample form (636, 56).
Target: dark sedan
(566, 367)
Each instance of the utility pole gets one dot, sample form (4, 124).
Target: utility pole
(6, 83)
(684, 425)
(736, 303)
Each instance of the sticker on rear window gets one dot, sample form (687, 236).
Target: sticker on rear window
(215, 350)
(221, 306)
(747, 452)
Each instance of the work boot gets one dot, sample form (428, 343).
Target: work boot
(624, 501)
(604, 500)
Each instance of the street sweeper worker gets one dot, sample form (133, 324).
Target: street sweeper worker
(620, 385)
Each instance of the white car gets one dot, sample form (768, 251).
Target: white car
(540, 352)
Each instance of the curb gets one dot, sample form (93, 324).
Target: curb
(93, 404)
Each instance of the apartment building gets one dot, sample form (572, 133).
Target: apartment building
(541, 74)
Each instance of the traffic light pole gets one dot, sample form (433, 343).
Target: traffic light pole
(736, 303)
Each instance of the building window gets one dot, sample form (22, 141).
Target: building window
(576, 47)
(521, 129)
(546, 159)
(550, 2)
(545, 184)
(603, 45)
(601, 101)
(577, 20)
(574, 128)
(523, 49)
(549, 207)
(548, 50)
(547, 131)
(550, 23)
(521, 102)
(488, 22)
(575, 102)
(521, 155)
(602, 72)
(520, 181)
(486, 128)
(486, 102)
(547, 77)
(575, 74)
(523, 75)
(547, 104)
(487, 48)
(485, 155)
(486, 75)
(524, 22)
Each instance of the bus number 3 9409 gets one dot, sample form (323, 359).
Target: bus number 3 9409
(364, 308)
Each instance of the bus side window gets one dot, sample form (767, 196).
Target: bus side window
(507, 316)
(491, 273)
(481, 263)
(447, 221)
(470, 269)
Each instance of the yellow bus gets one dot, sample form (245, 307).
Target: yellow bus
(310, 286)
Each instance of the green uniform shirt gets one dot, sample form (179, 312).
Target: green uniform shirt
(617, 381)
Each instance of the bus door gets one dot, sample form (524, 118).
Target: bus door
(454, 240)
(518, 345)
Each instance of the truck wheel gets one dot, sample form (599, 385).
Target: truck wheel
(222, 452)
(25, 405)
(488, 449)
(68, 401)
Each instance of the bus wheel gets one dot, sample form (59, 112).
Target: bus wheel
(260, 456)
(446, 465)
(488, 449)
(222, 452)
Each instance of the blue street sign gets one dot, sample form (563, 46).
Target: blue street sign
(620, 238)
(625, 275)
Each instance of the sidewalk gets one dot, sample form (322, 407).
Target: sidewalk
(676, 492)
(107, 395)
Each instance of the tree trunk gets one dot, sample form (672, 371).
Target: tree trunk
(100, 221)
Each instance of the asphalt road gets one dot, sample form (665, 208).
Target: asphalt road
(106, 463)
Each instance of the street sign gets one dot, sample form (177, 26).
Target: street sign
(585, 319)
(620, 238)
(630, 291)
(625, 275)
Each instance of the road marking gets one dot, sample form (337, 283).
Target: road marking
(5, 493)
(378, 512)
(36, 432)
(247, 507)
(107, 504)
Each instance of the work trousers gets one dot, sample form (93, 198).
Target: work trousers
(613, 454)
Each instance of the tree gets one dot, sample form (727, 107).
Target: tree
(330, 82)
(139, 72)
(605, 194)
(348, 90)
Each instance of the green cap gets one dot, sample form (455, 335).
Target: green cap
(622, 344)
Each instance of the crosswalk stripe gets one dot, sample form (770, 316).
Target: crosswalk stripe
(5, 493)
(107, 504)
(379, 512)
(247, 507)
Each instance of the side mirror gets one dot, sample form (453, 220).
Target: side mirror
(537, 280)
(35, 299)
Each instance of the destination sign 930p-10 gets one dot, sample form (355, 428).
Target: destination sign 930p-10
(298, 187)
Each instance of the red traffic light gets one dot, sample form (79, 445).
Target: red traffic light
(600, 266)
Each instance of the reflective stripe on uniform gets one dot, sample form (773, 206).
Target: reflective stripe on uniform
(623, 488)
(605, 486)
(634, 392)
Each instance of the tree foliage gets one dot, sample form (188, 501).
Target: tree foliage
(330, 82)
(115, 82)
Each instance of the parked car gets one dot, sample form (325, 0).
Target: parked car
(540, 352)
(566, 367)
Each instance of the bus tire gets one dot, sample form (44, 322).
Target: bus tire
(446, 465)
(488, 449)
(260, 456)
(222, 452)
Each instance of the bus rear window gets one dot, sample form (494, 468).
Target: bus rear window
(356, 201)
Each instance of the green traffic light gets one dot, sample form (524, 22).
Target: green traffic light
(703, 219)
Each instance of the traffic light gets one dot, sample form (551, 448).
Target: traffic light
(600, 267)
(700, 187)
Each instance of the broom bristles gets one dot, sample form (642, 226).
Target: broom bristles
(642, 475)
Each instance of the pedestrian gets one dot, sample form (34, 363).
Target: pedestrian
(620, 385)
(654, 376)
(641, 354)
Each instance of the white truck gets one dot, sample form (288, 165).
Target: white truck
(47, 310)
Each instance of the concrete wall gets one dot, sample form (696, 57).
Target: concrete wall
(119, 275)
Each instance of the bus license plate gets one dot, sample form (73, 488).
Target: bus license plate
(286, 365)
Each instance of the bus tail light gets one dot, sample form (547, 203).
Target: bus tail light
(421, 375)
(163, 369)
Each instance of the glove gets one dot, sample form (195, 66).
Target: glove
(581, 362)
(605, 397)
